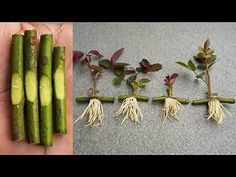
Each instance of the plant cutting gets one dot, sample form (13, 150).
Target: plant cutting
(59, 89)
(17, 88)
(94, 110)
(31, 85)
(172, 104)
(205, 59)
(45, 89)
(129, 107)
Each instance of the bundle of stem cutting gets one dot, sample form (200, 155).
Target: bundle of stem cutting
(94, 110)
(172, 105)
(24, 88)
(206, 58)
(129, 107)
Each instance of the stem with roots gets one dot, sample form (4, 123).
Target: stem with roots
(171, 109)
(129, 109)
(215, 110)
(94, 110)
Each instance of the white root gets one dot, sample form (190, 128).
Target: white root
(171, 109)
(94, 110)
(215, 111)
(129, 109)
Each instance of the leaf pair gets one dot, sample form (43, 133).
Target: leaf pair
(132, 81)
(189, 65)
(85, 58)
(205, 54)
(146, 67)
(112, 63)
(170, 79)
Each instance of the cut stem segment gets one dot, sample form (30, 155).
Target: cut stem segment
(101, 98)
(17, 88)
(138, 97)
(162, 99)
(221, 99)
(31, 85)
(59, 90)
(45, 89)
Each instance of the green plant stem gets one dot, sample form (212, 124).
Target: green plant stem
(45, 72)
(101, 98)
(18, 125)
(226, 100)
(208, 79)
(169, 91)
(59, 101)
(200, 101)
(30, 59)
(162, 98)
(221, 99)
(138, 97)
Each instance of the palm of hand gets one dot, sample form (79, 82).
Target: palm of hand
(62, 36)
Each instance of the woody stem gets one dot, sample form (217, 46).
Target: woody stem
(208, 79)
(94, 91)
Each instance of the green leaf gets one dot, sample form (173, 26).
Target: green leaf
(143, 81)
(182, 64)
(131, 79)
(141, 85)
(191, 65)
(119, 72)
(117, 80)
(105, 63)
(200, 75)
(119, 65)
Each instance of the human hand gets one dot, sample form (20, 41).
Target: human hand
(62, 33)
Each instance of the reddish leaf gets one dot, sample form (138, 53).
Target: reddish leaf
(146, 67)
(85, 61)
(144, 63)
(96, 53)
(77, 55)
(130, 71)
(116, 55)
(142, 69)
(170, 79)
(155, 67)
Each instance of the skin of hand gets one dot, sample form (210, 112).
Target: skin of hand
(63, 35)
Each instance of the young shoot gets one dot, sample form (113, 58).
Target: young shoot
(94, 110)
(205, 59)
